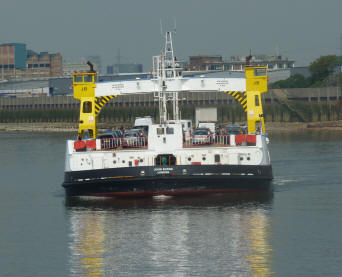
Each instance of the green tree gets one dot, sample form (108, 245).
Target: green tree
(334, 80)
(295, 81)
(321, 68)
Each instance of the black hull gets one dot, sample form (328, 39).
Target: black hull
(172, 180)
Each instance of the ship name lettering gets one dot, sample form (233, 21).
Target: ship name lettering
(163, 169)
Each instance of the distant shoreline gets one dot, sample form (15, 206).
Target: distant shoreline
(72, 127)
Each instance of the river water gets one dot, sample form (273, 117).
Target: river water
(294, 231)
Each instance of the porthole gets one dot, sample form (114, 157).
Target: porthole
(248, 158)
(123, 161)
(189, 159)
(203, 159)
(114, 162)
(141, 160)
(241, 158)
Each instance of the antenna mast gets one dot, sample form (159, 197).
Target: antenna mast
(167, 68)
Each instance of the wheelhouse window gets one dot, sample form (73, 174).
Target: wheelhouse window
(88, 78)
(78, 78)
(260, 72)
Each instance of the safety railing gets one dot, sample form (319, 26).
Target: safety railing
(129, 142)
(110, 143)
(135, 142)
(142, 142)
(221, 140)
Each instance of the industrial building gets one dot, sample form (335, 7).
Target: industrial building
(17, 62)
(216, 62)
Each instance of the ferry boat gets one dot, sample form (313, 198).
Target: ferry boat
(163, 162)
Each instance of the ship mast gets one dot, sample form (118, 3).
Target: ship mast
(166, 68)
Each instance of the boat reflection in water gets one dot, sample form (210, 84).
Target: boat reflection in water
(218, 235)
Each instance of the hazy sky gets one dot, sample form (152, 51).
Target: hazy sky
(300, 29)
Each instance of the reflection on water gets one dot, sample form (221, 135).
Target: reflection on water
(168, 244)
(259, 247)
(202, 236)
(88, 244)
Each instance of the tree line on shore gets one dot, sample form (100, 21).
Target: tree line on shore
(322, 74)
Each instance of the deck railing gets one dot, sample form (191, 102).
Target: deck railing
(129, 142)
(142, 142)
(221, 140)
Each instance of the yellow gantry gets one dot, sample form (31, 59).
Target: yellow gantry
(84, 89)
(256, 84)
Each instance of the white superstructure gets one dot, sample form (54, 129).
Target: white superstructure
(167, 139)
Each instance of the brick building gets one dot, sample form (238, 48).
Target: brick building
(204, 63)
(16, 62)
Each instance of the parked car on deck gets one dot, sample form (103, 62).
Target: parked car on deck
(118, 133)
(234, 129)
(134, 138)
(202, 136)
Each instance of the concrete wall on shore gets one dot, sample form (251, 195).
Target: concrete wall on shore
(329, 94)
(306, 94)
